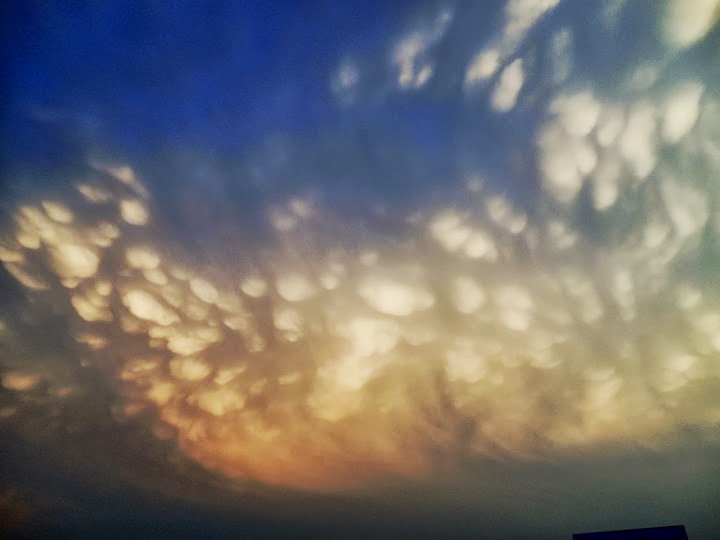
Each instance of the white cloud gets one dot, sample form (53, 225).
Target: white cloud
(410, 54)
(507, 89)
(682, 109)
(688, 21)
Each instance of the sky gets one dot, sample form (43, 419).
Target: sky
(359, 269)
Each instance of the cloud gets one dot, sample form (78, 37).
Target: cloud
(688, 22)
(332, 351)
(409, 57)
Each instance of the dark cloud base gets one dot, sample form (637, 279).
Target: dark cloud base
(57, 495)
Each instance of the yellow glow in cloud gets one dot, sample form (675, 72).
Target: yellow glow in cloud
(143, 258)
(25, 277)
(394, 298)
(91, 309)
(134, 212)
(58, 212)
(74, 260)
(145, 306)
(20, 381)
(254, 286)
(191, 369)
(204, 290)
(294, 287)
(219, 402)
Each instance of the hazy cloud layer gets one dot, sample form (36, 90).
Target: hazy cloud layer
(324, 312)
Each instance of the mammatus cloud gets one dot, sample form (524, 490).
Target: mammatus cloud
(519, 18)
(408, 58)
(484, 330)
(687, 22)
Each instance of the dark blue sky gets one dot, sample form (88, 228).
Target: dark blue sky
(152, 73)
